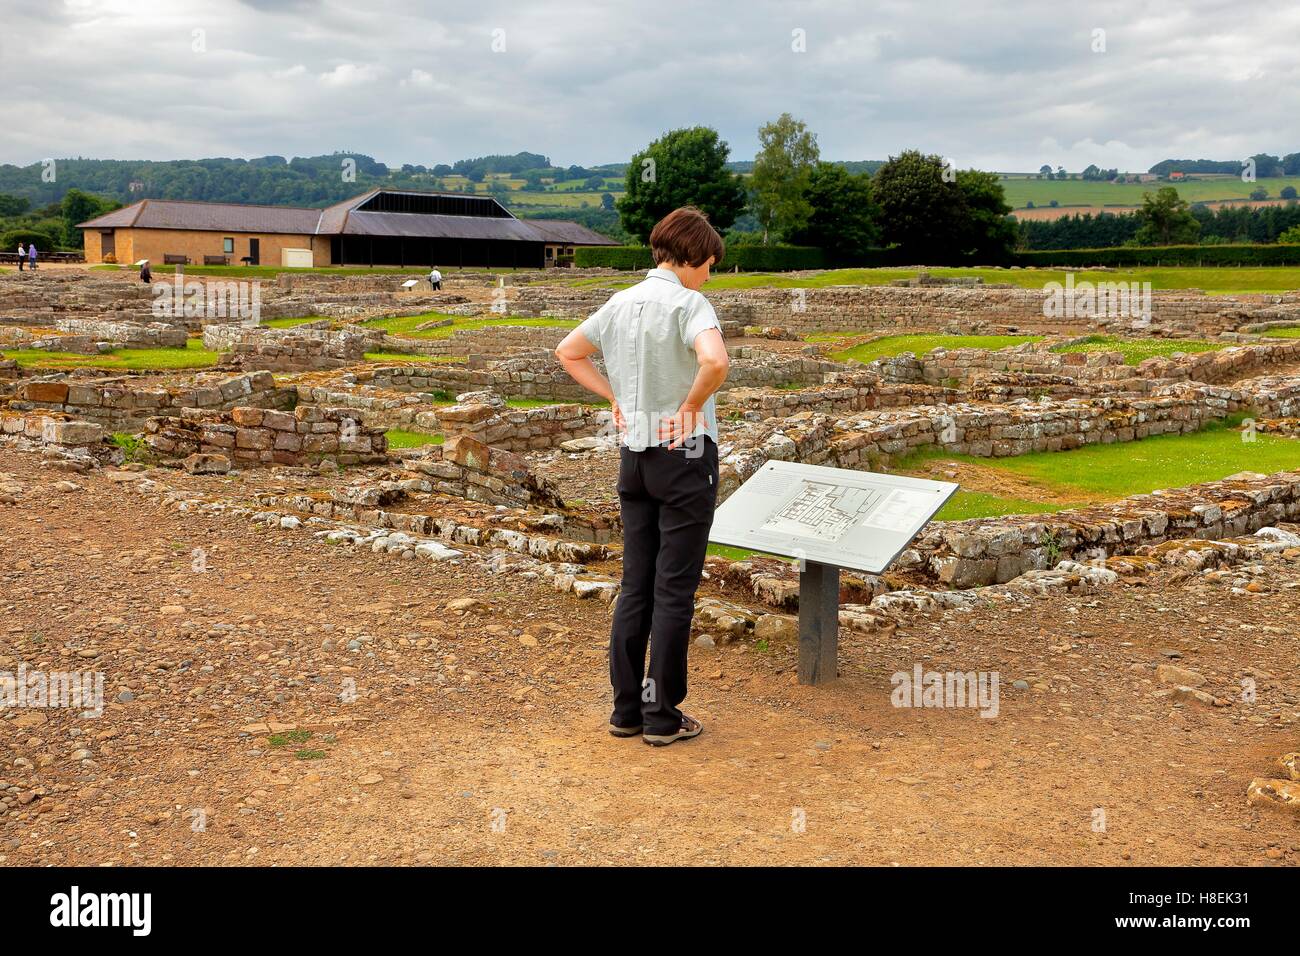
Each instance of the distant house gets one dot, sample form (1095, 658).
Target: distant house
(380, 227)
(1177, 176)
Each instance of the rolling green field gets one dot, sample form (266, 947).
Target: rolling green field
(920, 344)
(1108, 472)
(1020, 191)
(194, 355)
(1137, 350)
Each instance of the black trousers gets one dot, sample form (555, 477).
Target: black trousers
(666, 498)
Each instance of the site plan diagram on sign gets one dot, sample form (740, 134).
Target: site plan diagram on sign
(822, 511)
(837, 516)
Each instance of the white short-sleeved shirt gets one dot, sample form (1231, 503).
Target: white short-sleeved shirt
(646, 335)
(435, 275)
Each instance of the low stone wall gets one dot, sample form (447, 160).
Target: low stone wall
(254, 436)
(288, 349)
(65, 437)
(123, 405)
(466, 468)
(127, 335)
(487, 419)
(963, 554)
(17, 337)
(869, 439)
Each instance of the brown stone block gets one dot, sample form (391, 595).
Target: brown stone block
(55, 393)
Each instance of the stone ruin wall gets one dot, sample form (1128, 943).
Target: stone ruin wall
(970, 366)
(255, 436)
(287, 350)
(964, 554)
(123, 405)
(466, 468)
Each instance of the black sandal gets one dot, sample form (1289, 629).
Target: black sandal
(690, 728)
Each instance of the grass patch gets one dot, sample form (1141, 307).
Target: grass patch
(1108, 472)
(400, 438)
(741, 554)
(1138, 350)
(398, 357)
(194, 355)
(1284, 332)
(406, 325)
(291, 737)
(290, 322)
(979, 504)
(132, 445)
(920, 344)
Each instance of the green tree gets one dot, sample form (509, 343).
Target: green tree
(989, 234)
(685, 167)
(842, 220)
(1166, 219)
(936, 214)
(1291, 237)
(786, 157)
(78, 206)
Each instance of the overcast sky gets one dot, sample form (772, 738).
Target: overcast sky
(996, 85)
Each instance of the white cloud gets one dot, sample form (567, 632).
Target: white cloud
(422, 79)
(350, 74)
(1008, 86)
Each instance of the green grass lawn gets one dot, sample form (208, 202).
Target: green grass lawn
(1221, 281)
(1136, 350)
(194, 355)
(979, 504)
(400, 438)
(399, 357)
(1108, 472)
(1284, 332)
(919, 344)
(406, 325)
(289, 323)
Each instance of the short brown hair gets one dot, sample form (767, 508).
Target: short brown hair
(685, 238)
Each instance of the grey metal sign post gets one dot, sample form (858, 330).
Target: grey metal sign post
(828, 518)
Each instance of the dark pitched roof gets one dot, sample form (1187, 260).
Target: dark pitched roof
(209, 216)
(570, 233)
(343, 218)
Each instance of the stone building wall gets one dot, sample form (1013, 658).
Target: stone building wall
(963, 554)
(123, 404)
(288, 349)
(255, 436)
(485, 418)
(127, 335)
(869, 439)
(467, 468)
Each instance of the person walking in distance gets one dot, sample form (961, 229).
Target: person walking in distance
(22, 256)
(31, 256)
(664, 354)
(435, 279)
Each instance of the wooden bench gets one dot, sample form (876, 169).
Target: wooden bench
(216, 260)
(170, 259)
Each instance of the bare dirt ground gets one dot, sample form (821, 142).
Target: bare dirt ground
(479, 738)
